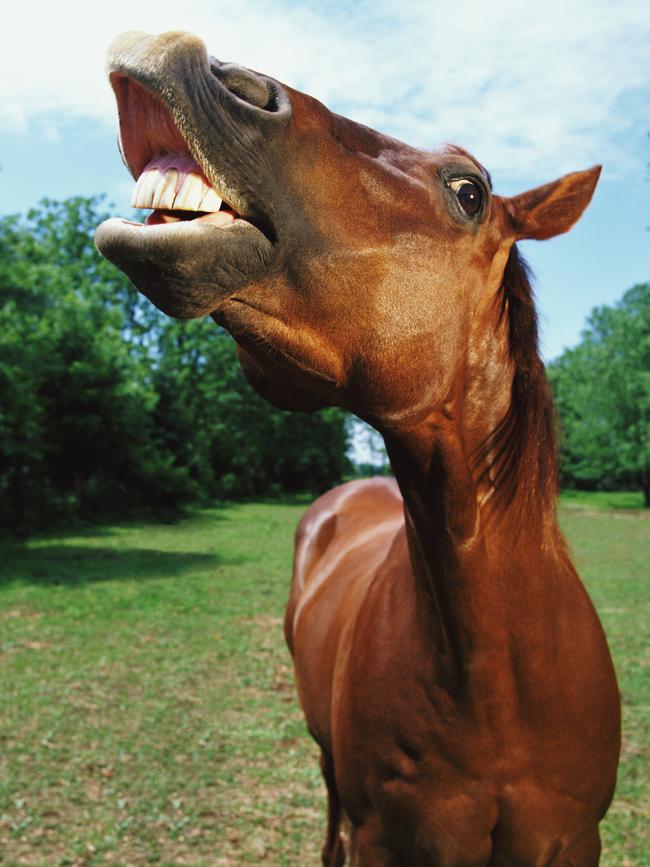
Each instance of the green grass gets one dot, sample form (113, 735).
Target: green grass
(604, 499)
(612, 551)
(149, 714)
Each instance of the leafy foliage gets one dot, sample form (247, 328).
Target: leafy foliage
(106, 405)
(602, 390)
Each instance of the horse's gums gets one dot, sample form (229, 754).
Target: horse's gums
(448, 660)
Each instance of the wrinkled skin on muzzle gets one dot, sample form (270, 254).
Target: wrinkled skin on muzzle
(346, 264)
(170, 99)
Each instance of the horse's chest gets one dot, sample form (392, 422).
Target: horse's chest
(433, 781)
(402, 742)
(425, 810)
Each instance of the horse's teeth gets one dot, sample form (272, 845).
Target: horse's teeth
(166, 190)
(156, 189)
(144, 189)
(134, 194)
(190, 194)
(210, 201)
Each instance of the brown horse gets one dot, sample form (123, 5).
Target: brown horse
(449, 662)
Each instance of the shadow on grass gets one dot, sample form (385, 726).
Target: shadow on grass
(70, 565)
(300, 499)
(110, 525)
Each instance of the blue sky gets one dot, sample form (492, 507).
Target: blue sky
(533, 90)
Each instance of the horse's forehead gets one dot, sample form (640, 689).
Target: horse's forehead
(433, 161)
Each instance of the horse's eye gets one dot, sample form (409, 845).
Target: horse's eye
(469, 195)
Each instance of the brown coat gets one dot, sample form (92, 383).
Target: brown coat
(448, 660)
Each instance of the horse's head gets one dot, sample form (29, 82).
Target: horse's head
(347, 265)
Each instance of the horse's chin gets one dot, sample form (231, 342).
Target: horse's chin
(186, 268)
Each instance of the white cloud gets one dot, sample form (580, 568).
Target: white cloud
(532, 89)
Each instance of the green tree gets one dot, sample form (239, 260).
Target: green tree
(602, 390)
(234, 442)
(106, 404)
(76, 431)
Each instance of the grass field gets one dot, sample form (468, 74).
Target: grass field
(148, 714)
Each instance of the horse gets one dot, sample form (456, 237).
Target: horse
(448, 660)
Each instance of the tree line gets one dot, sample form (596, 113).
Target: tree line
(108, 406)
(602, 395)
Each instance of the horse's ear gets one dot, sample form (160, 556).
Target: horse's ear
(553, 208)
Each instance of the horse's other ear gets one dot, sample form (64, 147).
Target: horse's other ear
(553, 208)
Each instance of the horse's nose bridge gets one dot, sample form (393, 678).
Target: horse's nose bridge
(177, 46)
(163, 56)
(176, 62)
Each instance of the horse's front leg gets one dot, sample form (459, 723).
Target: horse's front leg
(333, 852)
(585, 852)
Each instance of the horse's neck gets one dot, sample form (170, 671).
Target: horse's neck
(476, 560)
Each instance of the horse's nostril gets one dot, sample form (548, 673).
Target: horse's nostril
(246, 85)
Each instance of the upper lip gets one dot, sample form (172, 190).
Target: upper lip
(171, 80)
(163, 135)
(157, 131)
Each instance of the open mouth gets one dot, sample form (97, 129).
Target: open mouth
(198, 154)
(175, 187)
(170, 182)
